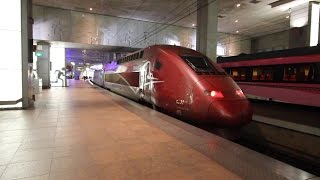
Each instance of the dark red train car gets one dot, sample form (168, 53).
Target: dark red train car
(180, 81)
(290, 76)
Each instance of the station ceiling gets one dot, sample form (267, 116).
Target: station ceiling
(252, 18)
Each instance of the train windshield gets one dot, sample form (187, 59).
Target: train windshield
(202, 64)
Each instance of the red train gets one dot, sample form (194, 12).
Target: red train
(180, 81)
(290, 76)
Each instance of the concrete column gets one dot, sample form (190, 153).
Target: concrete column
(304, 26)
(207, 21)
(313, 19)
(27, 54)
(43, 64)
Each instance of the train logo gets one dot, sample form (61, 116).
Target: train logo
(147, 80)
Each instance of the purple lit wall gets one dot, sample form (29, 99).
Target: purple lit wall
(112, 66)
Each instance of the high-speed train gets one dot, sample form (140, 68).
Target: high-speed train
(178, 81)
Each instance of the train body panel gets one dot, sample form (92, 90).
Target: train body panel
(180, 81)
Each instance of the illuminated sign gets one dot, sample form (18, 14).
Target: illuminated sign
(39, 54)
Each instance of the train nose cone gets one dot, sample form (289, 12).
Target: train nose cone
(231, 113)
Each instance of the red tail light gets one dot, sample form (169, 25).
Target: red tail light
(216, 94)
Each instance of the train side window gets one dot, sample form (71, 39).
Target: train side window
(255, 74)
(238, 74)
(290, 72)
(268, 73)
(141, 54)
(235, 74)
(262, 74)
(317, 72)
(242, 74)
(305, 72)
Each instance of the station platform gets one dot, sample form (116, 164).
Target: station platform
(86, 132)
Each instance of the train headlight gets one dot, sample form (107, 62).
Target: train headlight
(216, 94)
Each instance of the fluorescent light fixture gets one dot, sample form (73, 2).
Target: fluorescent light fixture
(299, 22)
(314, 25)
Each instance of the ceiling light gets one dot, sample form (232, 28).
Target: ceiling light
(193, 25)
(237, 31)
(236, 21)
(238, 5)
(91, 9)
(288, 17)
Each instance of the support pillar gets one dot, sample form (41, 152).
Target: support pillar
(207, 21)
(27, 54)
(43, 64)
(304, 26)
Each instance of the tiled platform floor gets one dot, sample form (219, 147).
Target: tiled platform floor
(84, 132)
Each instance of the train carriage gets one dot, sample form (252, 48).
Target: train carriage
(290, 76)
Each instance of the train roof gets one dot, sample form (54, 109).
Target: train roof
(272, 54)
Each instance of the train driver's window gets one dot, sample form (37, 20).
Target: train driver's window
(202, 65)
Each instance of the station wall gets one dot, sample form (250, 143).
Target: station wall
(233, 44)
(275, 41)
(71, 26)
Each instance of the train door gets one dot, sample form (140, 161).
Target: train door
(183, 98)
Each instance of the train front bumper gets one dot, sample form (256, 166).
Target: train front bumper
(230, 113)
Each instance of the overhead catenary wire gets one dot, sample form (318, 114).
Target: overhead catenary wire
(174, 16)
(170, 24)
(132, 14)
(274, 21)
(164, 18)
